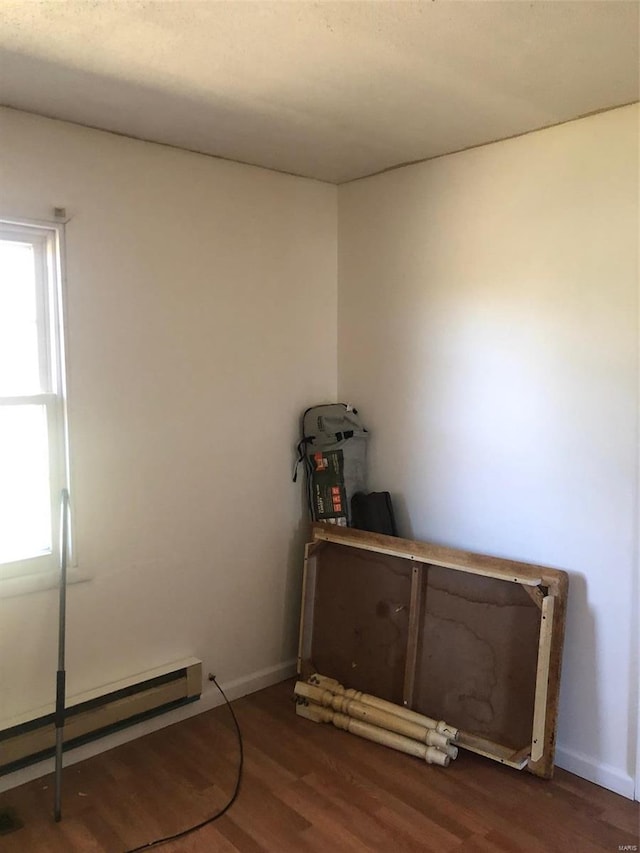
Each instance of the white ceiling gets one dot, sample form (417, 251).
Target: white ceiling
(331, 90)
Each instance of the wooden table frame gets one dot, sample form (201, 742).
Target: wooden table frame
(538, 590)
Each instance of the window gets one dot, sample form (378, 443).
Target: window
(33, 468)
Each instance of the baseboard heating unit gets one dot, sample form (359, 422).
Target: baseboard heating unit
(99, 712)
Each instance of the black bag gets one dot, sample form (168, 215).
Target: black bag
(373, 512)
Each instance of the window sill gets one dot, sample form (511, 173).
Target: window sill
(10, 587)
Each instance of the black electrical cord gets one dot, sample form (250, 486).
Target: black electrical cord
(222, 811)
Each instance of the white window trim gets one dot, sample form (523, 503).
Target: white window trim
(42, 572)
(40, 581)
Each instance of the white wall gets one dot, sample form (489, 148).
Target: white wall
(201, 317)
(488, 312)
(488, 333)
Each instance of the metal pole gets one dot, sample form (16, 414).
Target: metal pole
(60, 674)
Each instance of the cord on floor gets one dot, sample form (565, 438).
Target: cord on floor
(223, 810)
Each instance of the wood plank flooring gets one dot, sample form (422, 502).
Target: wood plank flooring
(308, 787)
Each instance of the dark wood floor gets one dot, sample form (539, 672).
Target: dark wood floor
(308, 787)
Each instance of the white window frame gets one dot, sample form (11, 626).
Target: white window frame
(48, 242)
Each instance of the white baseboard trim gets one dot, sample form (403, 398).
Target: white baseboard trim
(601, 774)
(210, 698)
